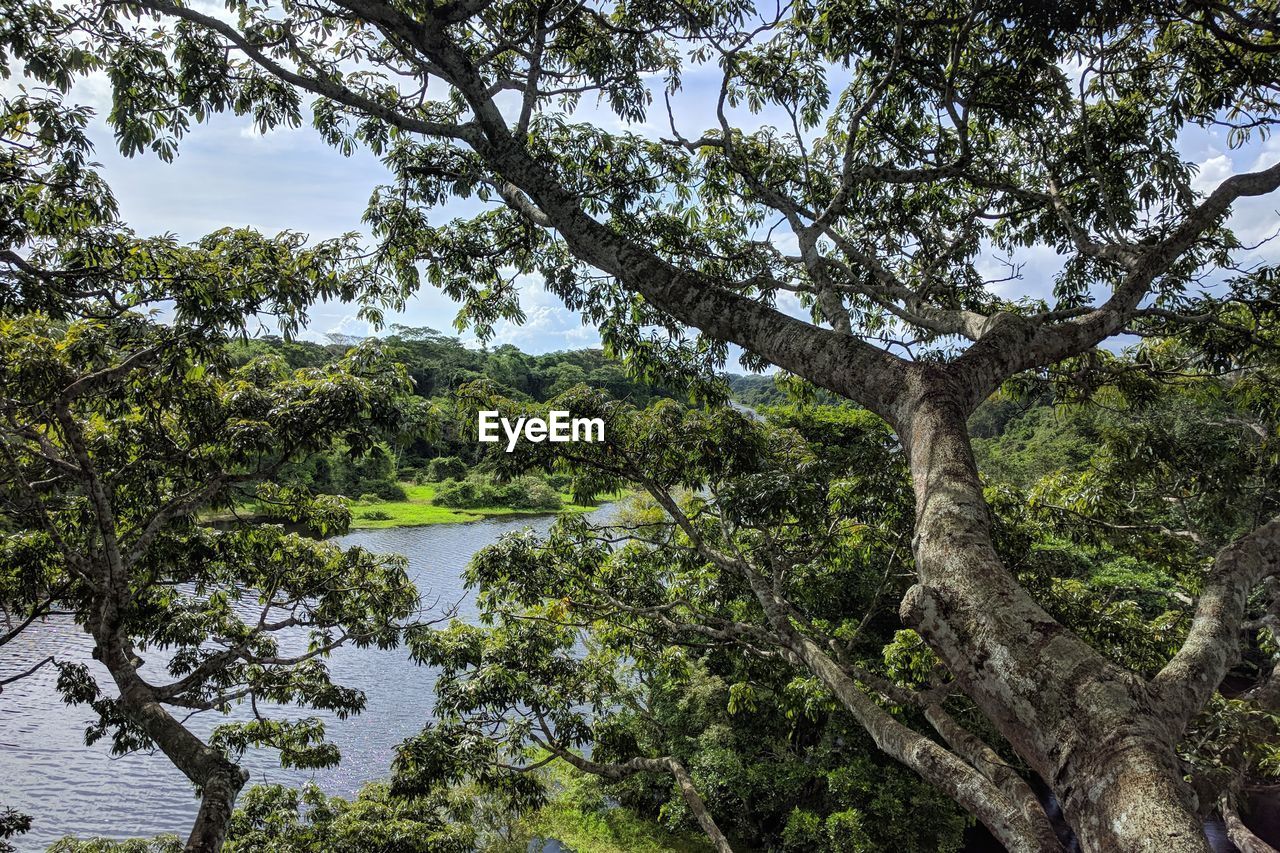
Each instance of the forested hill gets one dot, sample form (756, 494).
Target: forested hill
(440, 363)
(1019, 443)
(1016, 442)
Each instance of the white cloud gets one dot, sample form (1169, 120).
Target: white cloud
(1212, 172)
(349, 324)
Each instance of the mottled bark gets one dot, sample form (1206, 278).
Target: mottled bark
(1085, 725)
(218, 778)
(700, 812)
(1003, 817)
(1212, 644)
(987, 762)
(1239, 834)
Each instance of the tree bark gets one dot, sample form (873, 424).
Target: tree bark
(218, 778)
(989, 764)
(699, 808)
(1085, 725)
(1004, 818)
(1239, 834)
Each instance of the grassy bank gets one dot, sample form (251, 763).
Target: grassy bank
(417, 510)
(614, 830)
(581, 816)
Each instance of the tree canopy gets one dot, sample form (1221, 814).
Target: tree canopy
(119, 430)
(837, 203)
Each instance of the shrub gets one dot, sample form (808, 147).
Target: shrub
(389, 490)
(845, 833)
(446, 468)
(520, 493)
(533, 493)
(457, 493)
(803, 831)
(376, 515)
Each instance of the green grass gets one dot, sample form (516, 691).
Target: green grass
(577, 815)
(616, 830)
(418, 510)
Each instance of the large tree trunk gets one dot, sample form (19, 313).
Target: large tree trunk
(1087, 726)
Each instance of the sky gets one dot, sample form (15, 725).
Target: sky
(229, 174)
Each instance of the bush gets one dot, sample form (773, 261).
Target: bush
(532, 493)
(369, 498)
(520, 493)
(388, 490)
(803, 831)
(446, 468)
(376, 515)
(457, 494)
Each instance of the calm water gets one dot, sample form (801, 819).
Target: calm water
(70, 789)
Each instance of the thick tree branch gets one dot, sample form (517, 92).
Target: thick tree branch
(1190, 678)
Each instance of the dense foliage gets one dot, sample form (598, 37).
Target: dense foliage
(630, 640)
(118, 432)
(528, 492)
(438, 366)
(849, 201)
(770, 754)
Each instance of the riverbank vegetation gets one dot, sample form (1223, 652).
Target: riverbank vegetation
(464, 501)
(439, 473)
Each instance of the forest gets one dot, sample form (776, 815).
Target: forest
(939, 361)
(438, 366)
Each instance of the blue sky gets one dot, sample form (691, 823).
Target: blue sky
(228, 174)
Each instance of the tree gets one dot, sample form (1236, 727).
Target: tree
(790, 552)
(631, 638)
(958, 131)
(118, 432)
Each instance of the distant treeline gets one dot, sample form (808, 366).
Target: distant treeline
(440, 364)
(1016, 442)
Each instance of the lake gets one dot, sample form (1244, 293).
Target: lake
(47, 772)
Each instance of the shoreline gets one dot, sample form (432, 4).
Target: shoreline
(418, 511)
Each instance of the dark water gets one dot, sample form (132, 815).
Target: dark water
(70, 789)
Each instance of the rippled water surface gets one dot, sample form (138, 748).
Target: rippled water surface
(70, 789)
